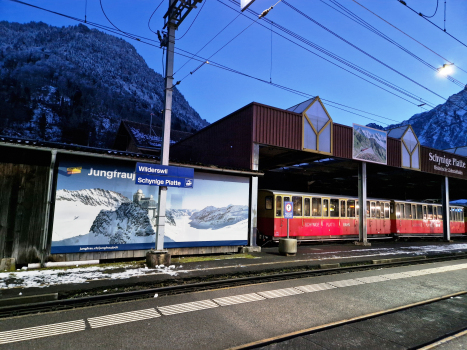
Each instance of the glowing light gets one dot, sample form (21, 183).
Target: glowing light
(446, 69)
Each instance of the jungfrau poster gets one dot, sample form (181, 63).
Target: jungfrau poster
(98, 207)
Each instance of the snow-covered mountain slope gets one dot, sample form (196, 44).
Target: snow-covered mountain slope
(75, 211)
(445, 126)
(127, 224)
(216, 218)
(74, 84)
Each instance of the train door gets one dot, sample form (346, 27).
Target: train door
(371, 212)
(431, 228)
(295, 224)
(344, 222)
(399, 216)
(378, 223)
(325, 222)
(351, 216)
(419, 220)
(334, 217)
(386, 229)
(413, 222)
(407, 223)
(279, 218)
(306, 218)
(316, 214)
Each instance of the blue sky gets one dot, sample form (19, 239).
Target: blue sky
(215, 93)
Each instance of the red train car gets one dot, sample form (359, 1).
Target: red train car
(332, 217)
(421, 219)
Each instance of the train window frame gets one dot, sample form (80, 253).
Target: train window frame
(378, 210)
(305, 212)
(297, 205)
(429, 208)
(319, 201)
(278, 213)
(386, 210)
(425, 213)
(451, 211)
(343, 211)
(372, 209)
(349, 208)
(402, 210)
(408, 211)
(269, 200)
(419, 212)
(440, 213)
(334, 202)
(357, 209)
(435, 212)
(398, 211)
(325, 213)
(414, 212)
(367, 209)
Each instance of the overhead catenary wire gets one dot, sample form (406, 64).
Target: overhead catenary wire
(400, 30)
(149, 21)
(189, 55)
(361, 50)
(333, 56)
(426, 19)
(181, 37)
(349, 14)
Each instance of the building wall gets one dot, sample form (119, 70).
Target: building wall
(277, 127)
(226, 143)
(342, 141)
(23, 183)
(394, 152)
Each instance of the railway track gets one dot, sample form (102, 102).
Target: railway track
(94, 300)
(421, 325)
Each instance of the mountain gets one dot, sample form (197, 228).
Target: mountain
(74, 84)
(93, 197)
(123, 225)
(216, 218)
(445, 126)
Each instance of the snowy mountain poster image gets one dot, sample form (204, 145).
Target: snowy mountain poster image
(98, 207)
(369, 145)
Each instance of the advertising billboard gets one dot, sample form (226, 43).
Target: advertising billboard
(98, 207)
(369, 145)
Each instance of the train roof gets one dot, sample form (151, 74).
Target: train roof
(351, 197)
(319, 195)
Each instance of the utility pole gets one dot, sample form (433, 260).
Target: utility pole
(178, 10)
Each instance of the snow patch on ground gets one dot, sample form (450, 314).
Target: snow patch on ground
(46, 278)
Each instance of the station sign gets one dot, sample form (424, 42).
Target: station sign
(443, 163)
(288, 210)
(164, 175)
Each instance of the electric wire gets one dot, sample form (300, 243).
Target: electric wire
(336, 57)
(214, 64)
(149, 21)
(400, 30)
(349, 14)
(426, 19)
(436, 10)
(361, 50)
(204, 3)
(215, 36)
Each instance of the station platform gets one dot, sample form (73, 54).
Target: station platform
(107, 278)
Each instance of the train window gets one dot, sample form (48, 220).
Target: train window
(440, 213)
(392, 208)
(424, 212)
(414, 212)
(316, 206)
(457, 215)
(278, 205)
(386, 210)
(297, 205)
(334, 208)
(430, 212)
(402, 211)
(367, 209)
(419, 212)
(378, 210)
(372, 209)
(307, 207)
(343, 209)
(351, 208)
(325, 207)
(408, 211)
(268, 202)
(435, 212)
(451, 211)
(357, 209)
(398, 211)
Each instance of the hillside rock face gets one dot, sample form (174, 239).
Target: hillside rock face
(93, 197)
(216, 218)
(74, 84)
(445, 126)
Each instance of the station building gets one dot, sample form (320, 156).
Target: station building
(67, 202)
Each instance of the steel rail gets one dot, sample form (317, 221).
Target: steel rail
(94, 300)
